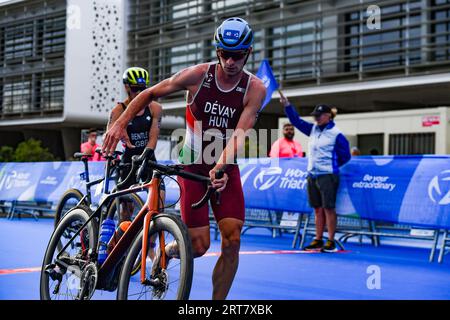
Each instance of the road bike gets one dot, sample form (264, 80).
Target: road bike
(74, 272)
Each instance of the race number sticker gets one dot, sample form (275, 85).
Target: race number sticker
(231, 34)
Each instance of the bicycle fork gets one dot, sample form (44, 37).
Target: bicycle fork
(152, 204)
(145, 247)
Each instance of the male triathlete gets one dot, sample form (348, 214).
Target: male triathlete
(143, 129)
(222, 96)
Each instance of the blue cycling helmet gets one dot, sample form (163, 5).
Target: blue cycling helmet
(233, 34)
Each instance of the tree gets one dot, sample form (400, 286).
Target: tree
(32, 151)
(6, 154)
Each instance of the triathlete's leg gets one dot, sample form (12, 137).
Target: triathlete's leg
(227, 264)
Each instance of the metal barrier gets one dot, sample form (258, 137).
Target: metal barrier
(257, 218)
(260, 218)
(33, 208)
(349, 227)
(444, 246)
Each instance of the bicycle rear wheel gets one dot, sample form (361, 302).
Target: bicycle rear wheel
(61, 281)
(135, 204)
(172, 283)
(68, 200)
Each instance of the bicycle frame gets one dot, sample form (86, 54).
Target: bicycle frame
(89, 184)
(143, 219)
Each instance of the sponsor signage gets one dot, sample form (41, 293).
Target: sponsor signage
(413, 190)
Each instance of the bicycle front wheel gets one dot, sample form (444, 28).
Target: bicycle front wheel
(172, 283)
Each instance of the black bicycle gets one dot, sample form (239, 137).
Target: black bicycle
(74, 197)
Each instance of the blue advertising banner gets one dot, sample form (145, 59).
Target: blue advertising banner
(276, 184)
(401, 189)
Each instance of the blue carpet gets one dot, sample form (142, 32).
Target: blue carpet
(405, 271)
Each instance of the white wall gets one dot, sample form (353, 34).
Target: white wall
(390, 122)
(95, 56)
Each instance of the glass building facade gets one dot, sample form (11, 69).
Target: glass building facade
(307, 42)
(32, 46)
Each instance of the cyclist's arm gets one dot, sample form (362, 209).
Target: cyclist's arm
(115, 113)
(156, 110)
(113, 116)
(255, 98)
(186, 79)
(182, 80)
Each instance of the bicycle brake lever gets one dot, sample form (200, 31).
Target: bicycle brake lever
(205, 198)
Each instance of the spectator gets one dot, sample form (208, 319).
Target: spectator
(286, 147)
(91, 145)
(328, 150)
(355, 152)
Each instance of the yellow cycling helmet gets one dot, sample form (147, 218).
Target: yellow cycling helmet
(136, 76)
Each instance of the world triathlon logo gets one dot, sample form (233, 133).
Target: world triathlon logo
(208, 78)
(439, 188)
(276, 177)
(267, 178)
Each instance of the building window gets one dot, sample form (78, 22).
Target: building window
(52, 93)
(292, 49)
(18, 41)
(16, 96)
(54, 32)
(257, 53)
(412, 143)
(441, 29)
(226, 4)
(187, 9)
(32, 45)
(184, 56)
(33, 39)
(397, 43)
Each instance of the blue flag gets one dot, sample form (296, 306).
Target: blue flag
(266, 75)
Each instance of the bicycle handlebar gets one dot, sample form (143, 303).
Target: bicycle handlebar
(135, 162)
(79, 155)
(178, 170)
(141, 162)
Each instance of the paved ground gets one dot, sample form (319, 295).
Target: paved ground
(268, 269)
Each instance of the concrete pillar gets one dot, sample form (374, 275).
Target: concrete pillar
(71, 138)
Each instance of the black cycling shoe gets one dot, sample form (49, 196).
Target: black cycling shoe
(330, 247)
(315, 245)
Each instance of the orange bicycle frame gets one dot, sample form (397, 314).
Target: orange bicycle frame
(143, 218)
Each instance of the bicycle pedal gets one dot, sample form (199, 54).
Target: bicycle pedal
(56, 290)
(52, 273)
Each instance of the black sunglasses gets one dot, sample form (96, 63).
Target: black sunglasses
(235, 55)
(135, 89)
